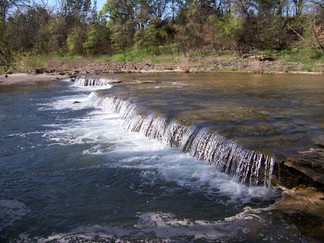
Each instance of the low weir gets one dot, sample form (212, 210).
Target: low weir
(247, 166)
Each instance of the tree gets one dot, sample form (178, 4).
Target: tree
(122, 22)
(229, 30)
(298, 6)
(314, 26)
(191, 25)
(28, 30)
(77, 11)
(97, 39)
(5, 7)
(75, 41)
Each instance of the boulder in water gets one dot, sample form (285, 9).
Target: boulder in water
(73, 77)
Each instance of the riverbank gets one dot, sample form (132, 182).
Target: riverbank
(49, 74)
(22, 79)
(252, 65)
(261, 62)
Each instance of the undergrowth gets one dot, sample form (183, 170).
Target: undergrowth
(287, 60)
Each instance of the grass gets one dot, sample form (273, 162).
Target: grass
(300, 60)
(155, 56)
(303, 56)
(4, 69)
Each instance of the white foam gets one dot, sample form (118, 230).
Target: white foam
(150, 226)
(66, 80)
(77, 88)
(79, 100)
(103, 131)
(251, 224)
(23, 134)
(93, 83)
(153, 226)
(71, 102)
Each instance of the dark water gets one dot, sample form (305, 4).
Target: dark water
(69, 172)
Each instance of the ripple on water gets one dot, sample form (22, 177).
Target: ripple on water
(251, 225)
(11, 211)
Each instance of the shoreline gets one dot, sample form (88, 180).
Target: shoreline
(24, 79)
(27, 79)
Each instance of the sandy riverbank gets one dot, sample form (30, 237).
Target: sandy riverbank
(20, 79)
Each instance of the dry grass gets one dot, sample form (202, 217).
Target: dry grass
(184, 64)
(256, 67)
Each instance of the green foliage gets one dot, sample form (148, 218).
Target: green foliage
(97, 40)
(75, 41)
(6, 69)
(229, 29)
(132, 55)
(151, 30)
(3, 70)
(120, 57)
(121, 36)
(151, 37)
(306, 56)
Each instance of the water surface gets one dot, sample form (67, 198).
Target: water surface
(70, 172)
(278, 114)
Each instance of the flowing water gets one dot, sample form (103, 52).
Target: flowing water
(70, 171)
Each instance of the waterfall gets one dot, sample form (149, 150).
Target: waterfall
(246, 166)
(89, 81)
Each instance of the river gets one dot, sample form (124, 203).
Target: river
(70, 171)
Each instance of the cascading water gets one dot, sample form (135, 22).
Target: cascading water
(88, 81)
(246, 166)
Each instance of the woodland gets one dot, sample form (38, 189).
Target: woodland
(156, 27)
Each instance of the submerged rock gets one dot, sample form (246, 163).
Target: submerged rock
(304, 206)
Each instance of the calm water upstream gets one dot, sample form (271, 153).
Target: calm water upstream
(70, 172)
